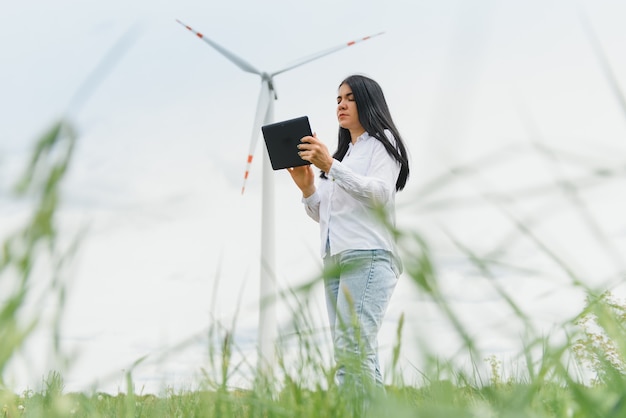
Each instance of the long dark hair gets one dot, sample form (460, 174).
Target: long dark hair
(375, 118)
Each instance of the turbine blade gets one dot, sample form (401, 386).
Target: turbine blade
(261, 112)
(323, 53)
(106, 65)
(239, 62)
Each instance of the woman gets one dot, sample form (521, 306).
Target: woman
(354, 204)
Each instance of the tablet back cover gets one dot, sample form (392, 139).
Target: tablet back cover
(282, 140)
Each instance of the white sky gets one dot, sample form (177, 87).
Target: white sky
(164, 137)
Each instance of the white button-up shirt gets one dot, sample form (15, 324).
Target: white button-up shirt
(348, 205)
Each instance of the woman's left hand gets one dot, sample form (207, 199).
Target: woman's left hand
(315, 152)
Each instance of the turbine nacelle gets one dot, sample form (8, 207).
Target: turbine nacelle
(269, 79)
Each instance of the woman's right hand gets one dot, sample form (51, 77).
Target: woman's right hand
(304, 178)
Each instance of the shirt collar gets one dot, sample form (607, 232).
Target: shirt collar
(361, 137)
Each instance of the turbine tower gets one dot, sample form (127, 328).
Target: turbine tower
(264, 115)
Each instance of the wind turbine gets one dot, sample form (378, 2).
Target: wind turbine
(264, 115)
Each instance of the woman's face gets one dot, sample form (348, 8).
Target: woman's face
(347, 113)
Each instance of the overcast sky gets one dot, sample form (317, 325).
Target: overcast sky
(165, 129)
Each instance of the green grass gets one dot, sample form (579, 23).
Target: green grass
(437, 399)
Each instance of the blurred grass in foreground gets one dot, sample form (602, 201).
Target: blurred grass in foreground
(33, 249)
(552, 383)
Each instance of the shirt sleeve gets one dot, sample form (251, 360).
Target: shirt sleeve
(312, 206)
(377, 186)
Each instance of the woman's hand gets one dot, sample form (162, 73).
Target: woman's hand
(314, 151)
(304, 178)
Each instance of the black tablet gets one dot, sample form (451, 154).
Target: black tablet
(282, 139)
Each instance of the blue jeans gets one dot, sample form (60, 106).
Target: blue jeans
(359, 285)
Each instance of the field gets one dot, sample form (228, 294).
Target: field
(582, 376)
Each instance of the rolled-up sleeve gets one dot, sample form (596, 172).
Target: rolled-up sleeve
(312, 206)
